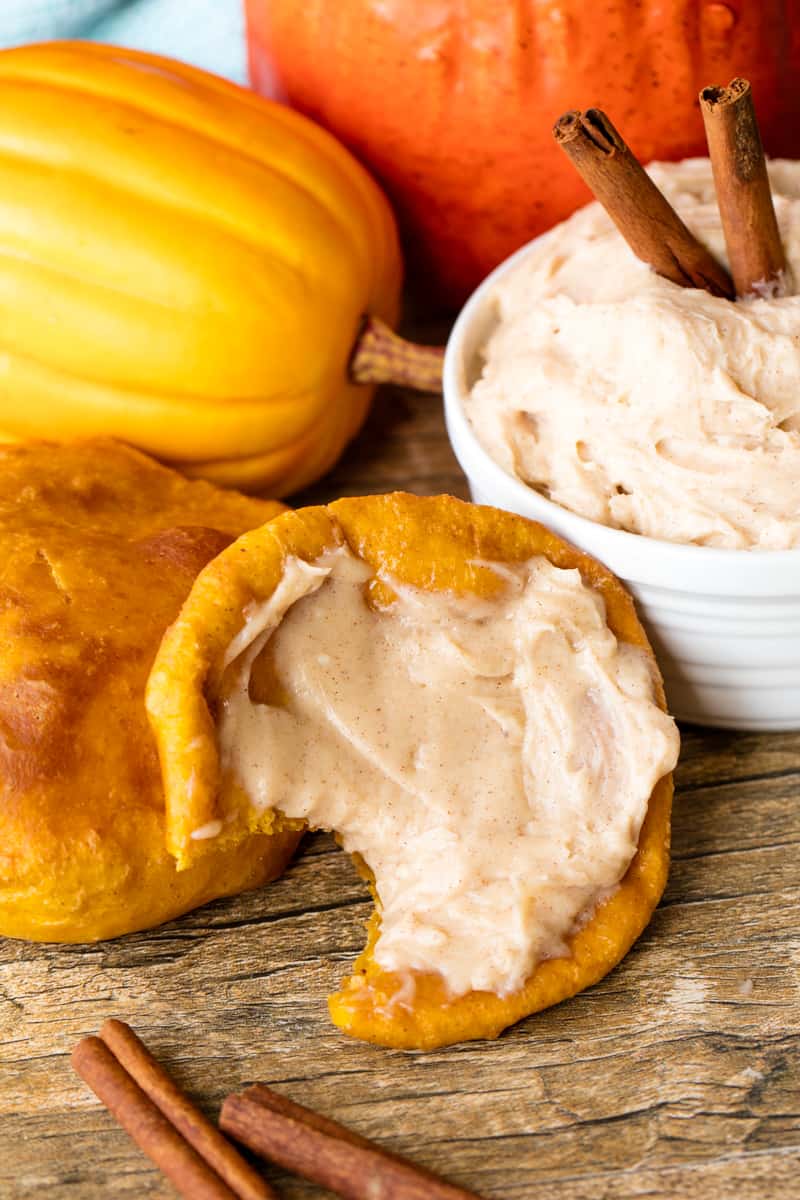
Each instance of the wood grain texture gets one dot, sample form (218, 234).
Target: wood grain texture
(677, 1076)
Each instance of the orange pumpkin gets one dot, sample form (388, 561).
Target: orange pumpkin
(452, 101)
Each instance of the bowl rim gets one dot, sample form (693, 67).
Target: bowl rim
(633, 555)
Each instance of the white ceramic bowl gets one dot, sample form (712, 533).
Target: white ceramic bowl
(725, 624)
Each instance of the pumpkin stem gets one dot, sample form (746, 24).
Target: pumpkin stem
(382, 356)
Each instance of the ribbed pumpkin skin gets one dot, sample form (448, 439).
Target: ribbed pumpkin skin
(469, 161)
(183, 265)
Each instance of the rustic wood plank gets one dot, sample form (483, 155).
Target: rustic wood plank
(677, 1076)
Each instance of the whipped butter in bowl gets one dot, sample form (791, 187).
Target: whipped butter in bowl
(657, 427)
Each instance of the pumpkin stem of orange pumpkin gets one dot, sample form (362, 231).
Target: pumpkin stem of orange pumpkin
(382, 356)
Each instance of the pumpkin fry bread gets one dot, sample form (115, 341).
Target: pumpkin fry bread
(98, 548)
(221, 673)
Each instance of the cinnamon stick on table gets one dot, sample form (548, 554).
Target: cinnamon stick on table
(644, 216)
(162, 1121)
(755, 252)
(203, 1165)
(325, 1152)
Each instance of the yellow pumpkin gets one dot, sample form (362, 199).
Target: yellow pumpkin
(183, 266)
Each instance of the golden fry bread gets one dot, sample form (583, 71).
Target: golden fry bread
(433, 544)
(99, 547)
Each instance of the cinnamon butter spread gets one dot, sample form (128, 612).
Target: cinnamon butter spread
(644, 405)
(491, 760)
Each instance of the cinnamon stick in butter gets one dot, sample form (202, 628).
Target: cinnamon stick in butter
(644, 216)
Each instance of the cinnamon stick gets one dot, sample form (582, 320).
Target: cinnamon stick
(325, 1152)
(755, 252)
(644, 216)
(195, 1127)
(382, 356)
(162, 1121)
(146, 1124)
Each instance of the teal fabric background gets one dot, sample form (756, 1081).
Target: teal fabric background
(208, 33)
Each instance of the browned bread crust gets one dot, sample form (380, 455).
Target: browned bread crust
(99, 547)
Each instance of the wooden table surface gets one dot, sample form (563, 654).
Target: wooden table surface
(676, 1076)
